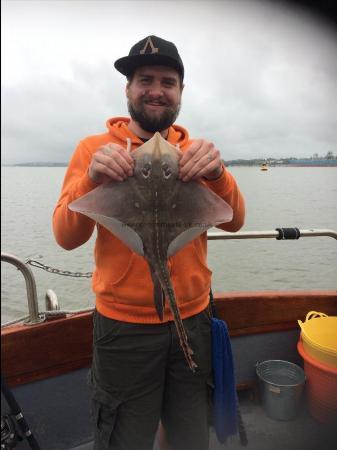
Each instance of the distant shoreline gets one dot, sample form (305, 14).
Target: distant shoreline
(230, 163)
(283, 165)
(227, 165)
(310, 165)
(36, 165)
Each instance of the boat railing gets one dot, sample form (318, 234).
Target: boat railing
(33, 307)
(52, 306)
(278, 233)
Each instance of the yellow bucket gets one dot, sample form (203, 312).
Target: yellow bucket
(319, 337)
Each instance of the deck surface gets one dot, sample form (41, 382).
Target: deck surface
(264, 433)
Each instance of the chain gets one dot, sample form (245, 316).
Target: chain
(65, 273)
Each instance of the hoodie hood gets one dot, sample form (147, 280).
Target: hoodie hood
(118, 128)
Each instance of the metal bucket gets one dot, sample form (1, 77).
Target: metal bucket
(281, 386)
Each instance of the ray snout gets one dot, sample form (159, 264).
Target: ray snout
(160, 147)
(156, 152)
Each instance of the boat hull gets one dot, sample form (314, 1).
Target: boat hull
(50, 377)
(63, 345)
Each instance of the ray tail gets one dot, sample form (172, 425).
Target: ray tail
(158, 295)
(165, 281)
(188, 352)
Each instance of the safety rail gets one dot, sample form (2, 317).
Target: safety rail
(33, 307)
(278, 233)
(52, 306)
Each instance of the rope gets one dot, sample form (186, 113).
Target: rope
(45, 314)
(64, 311)
(12, 322)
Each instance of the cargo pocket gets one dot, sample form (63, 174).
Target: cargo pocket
(105, 410)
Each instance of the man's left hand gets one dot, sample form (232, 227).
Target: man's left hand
(201, 159)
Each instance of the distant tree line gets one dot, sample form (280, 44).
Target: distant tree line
(40, 164)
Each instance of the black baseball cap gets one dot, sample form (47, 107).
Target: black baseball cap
(151, 51)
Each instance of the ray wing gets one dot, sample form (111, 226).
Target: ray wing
(196, 209)
(112, 206)
(192, 210)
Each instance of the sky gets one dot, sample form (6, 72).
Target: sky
(260, 76)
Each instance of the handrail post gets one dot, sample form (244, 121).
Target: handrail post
(33, 307)
(51, 301)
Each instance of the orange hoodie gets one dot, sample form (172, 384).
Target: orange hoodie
(121, 280)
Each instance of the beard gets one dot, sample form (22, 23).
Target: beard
(153, 122)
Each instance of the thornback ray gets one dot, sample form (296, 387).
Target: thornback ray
(156, 214)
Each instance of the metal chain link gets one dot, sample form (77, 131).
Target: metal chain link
(50, 269)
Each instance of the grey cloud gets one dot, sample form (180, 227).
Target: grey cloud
(45, 119)
(260, 81)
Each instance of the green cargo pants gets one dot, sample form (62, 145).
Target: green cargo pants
(140, 376)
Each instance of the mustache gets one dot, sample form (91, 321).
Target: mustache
(160, 101)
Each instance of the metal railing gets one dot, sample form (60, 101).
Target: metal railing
(33, 307)
(278, 233)
(51, 299)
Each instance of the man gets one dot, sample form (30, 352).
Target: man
(139, 373)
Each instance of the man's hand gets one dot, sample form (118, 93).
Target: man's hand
(110, 162)
(202, 159)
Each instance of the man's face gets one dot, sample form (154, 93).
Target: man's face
(154, 97)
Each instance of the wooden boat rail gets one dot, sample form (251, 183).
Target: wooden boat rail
(62, 345)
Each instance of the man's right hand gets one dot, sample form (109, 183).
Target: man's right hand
(110, 162)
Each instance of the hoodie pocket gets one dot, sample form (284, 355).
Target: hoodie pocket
(125, 277)
(190, 275)
(113, 260)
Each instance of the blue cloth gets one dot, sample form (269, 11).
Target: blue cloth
(224, 394)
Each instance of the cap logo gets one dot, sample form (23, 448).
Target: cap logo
(149, 43)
